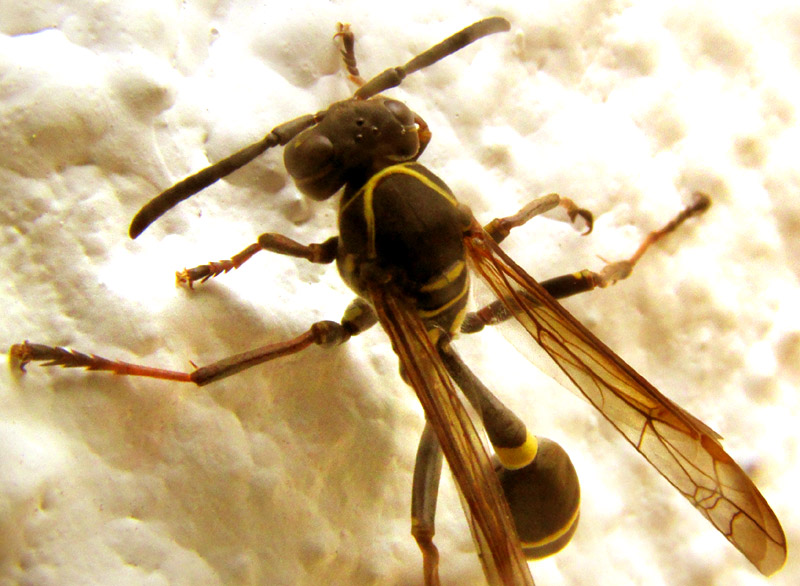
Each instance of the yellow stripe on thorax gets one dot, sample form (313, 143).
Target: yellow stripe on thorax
(368, 194)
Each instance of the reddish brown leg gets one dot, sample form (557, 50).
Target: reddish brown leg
(358, 317)
(319, 253)
(424, 494)
(616, 271)
(349, 57)
(203, 273)
(348, 52)
(430, 558)
(68, 358)
(499, 228)
(701, 202)
(572, 284)
(26, 352)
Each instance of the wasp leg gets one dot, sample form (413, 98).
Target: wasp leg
(536, 474)
(203, 273)
(559, 287)
(424, 493)
(348, 39)
(318, 253)
(357, 318)
(700, 203)
(586, 280)
(499, 228)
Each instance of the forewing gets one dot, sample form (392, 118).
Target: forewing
(501, 553)
(683, 449)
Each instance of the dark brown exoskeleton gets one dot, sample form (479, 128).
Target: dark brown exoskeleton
(405, 246)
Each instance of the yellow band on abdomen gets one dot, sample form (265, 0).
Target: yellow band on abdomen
(519, 457)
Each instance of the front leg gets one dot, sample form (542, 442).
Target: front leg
(348, 52)
(499, 228)
(323, 253)
(586, 280)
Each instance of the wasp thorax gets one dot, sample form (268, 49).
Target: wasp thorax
(354, 139)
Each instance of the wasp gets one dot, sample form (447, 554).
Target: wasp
(407, 247)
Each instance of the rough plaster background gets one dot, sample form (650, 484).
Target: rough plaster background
(299, 472)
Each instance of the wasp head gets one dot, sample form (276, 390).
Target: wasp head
(354, 139)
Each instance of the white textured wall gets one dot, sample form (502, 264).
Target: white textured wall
(299, 472)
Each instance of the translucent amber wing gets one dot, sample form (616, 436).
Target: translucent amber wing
(683, 449)
(500, 550)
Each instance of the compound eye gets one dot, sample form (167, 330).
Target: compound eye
(310, 160)
(400, 111)
(308, 154)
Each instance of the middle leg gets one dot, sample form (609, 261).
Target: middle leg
(499, 228)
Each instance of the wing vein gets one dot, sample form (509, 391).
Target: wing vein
(681, 447)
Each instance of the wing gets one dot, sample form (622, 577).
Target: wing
(683, 449)
(501, 553)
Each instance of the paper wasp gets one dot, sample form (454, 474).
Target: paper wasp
(405, 246)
